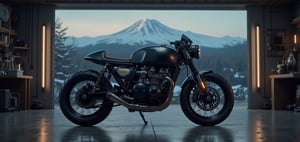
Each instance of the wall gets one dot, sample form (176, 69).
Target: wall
(27, 20)
(269, 18)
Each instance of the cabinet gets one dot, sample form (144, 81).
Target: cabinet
(19, 84)
(283, 89)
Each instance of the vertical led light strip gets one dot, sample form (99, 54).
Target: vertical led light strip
(257, 44)
(295, 39)
(43, 56)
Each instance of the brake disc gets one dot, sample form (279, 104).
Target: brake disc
(209, 101)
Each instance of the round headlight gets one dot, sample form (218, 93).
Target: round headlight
(195, 52)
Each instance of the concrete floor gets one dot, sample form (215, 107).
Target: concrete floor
(169, 125)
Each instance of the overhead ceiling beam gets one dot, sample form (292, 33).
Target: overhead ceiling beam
(153, 6)
(208, 2)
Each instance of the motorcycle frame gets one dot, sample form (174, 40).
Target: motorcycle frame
(182, 49)
(183, 55)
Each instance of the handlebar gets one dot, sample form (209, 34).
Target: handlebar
(185, 47)
(184, 41)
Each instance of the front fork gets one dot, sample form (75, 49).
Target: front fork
(198, 77)
(200, 82)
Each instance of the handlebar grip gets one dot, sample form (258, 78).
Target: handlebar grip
(177, 42)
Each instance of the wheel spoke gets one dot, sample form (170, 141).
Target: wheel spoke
(83, 88)
(207, 106)
(81, 102)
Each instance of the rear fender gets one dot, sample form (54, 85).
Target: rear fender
(105, 82)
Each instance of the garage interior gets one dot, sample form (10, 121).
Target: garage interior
(272, 26)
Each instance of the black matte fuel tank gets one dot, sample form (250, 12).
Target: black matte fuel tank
(155, 56)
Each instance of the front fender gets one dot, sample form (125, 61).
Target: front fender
(190, 78)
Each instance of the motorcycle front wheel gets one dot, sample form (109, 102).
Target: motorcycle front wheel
(79, 102)
(210, 109)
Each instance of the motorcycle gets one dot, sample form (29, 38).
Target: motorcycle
(145, 83)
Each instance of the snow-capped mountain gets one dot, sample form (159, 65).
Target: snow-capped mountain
(150, 31)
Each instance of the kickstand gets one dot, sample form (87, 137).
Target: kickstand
(143, 117)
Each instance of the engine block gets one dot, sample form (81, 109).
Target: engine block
(150, 87)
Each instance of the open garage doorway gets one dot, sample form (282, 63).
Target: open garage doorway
(221, 34)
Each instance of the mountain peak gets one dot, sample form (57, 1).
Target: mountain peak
(151, 31)
(147, 27)
(142, 23)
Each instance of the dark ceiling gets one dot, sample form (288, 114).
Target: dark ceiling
(267, 2)
(164, 4)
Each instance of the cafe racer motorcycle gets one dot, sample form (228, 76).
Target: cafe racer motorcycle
(145, 83)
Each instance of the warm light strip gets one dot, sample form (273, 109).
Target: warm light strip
(43, 56)
(295, 39)
(257, 33)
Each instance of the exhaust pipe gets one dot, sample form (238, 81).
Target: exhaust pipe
(134, 107)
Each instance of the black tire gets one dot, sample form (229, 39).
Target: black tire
(74, 111)
(220, 107)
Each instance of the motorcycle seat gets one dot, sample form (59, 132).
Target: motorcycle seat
(113, 59)
(102, 57)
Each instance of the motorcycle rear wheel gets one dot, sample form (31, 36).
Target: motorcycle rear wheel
(78, 105)
(208, 111)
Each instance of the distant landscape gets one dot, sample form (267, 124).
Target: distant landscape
(221, 54)
(224, 55)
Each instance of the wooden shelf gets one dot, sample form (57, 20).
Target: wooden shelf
(7, 31)
(288, 75)
(18, 57)
(4, 30)
(19, 51)
(296, 22)
(2, 43)
(21, 48)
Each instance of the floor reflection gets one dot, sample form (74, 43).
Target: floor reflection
(85, 134)
(145, 138)
(208, 134)
(146, 134)
(241, 126)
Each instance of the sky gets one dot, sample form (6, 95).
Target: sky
(104, 22)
